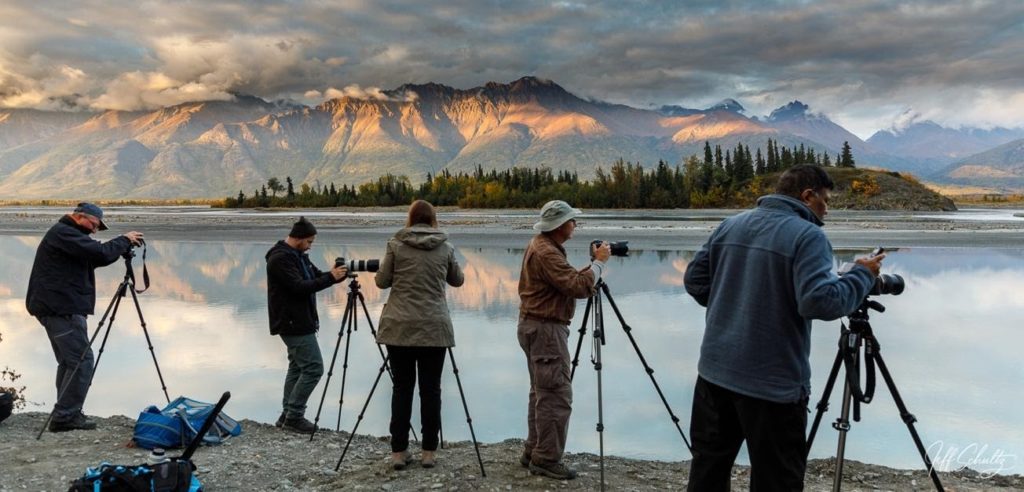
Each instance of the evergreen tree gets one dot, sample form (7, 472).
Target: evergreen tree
(275, 186)
(291, 187)
(761, 165)
(846, 157)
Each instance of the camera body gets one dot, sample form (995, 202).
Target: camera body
(358, 265)
(618, 248)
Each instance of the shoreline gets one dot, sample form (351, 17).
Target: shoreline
(645, 229)
(273, 459)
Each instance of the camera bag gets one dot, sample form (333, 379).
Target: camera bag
(6, 405)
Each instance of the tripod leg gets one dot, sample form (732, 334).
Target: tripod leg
(822, 405)
(344, 362)
(647, 367)
(149, 342)
(103, 343)
(361, 413)
(908, 418)
(579, 342)
(383, 357)
(598, 328)
(330, 370)
(110, 312)
(842, 424)
(469, 420)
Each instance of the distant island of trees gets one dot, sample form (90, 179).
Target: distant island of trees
(733, 178)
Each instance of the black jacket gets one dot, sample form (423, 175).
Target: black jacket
(292, 282)
(63, 281)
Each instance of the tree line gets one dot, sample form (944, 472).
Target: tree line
(729, 177)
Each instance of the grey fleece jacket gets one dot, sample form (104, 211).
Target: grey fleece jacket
(419, 262)
(764, 275)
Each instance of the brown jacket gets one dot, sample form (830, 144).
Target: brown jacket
(549, 285)
(418, 263)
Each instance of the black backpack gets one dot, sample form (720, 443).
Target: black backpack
(6, 405)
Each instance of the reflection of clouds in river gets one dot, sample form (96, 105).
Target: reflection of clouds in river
(951, 342)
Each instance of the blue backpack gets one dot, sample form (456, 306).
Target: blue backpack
(177, 424)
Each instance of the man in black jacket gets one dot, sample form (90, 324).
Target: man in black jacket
(292, 284)
(62, 292)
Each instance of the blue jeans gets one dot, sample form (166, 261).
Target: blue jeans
(69, 339)
(305, 366)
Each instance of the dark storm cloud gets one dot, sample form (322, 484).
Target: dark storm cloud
(860, 61)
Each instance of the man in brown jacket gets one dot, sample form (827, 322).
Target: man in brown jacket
(548, 289)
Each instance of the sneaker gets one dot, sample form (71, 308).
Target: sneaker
(557, 471)
(280, 421)
(400, 459)
(78, 422)
(524, 460)
(299, 424)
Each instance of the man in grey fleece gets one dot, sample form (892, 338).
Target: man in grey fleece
(764, 275)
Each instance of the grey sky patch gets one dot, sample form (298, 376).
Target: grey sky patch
(861, 62)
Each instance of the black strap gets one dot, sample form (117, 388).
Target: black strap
(145, 271)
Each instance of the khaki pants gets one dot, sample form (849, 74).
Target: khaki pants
(546, 346)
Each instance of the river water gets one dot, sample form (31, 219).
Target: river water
(952, 342)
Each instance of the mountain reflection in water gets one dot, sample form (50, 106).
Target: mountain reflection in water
(951, 342)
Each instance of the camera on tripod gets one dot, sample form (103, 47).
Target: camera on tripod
(885, 284)
(619, 248)
(358, 265)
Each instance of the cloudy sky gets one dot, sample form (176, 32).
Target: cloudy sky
(867, 64)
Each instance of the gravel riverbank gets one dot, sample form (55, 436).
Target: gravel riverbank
(267, 458)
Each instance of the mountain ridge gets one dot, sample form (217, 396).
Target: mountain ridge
(215, 148)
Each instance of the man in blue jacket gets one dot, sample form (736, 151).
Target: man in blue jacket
(62, 292)
(764, 275)
(292, 284)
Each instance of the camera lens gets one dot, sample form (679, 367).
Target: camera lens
(888, 284)
(364, 265)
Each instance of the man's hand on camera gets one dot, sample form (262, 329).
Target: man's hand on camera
(135, 237)
(873, 263)
(339, 272)
(601, 253)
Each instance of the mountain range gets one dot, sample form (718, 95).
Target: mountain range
(216, 148)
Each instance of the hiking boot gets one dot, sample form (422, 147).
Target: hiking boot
(557, 471)
(78, 422)
(427, 459)
(280, 421)
(298, 424)
(400, 459)
(524, 460)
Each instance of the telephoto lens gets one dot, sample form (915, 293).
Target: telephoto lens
(358, 265)
(618, 248)
(364, 265)
(888, 284)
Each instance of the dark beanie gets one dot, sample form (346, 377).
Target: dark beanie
(302, 229)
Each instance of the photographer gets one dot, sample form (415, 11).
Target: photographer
(764, 275)
(62, 292)
(415, 325)
(548, 289)
(292, 284)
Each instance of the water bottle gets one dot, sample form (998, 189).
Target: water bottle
(157, 456)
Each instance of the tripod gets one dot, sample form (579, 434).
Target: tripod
(127, 285)
(349, 323)
(595, 304)
(465, 407)
(859, 335)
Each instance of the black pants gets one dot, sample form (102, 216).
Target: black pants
(775, 435)
(404, 362)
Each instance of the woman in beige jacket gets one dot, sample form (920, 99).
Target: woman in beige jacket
(415, 325)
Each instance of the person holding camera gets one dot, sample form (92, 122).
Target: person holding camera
(292, 284)
(548, 289)
(763, 275)
(416, 327)
(62, 292)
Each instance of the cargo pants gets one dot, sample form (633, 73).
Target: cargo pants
(546, 345)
